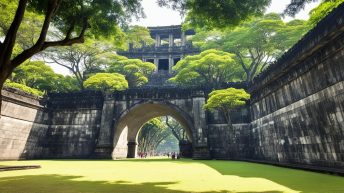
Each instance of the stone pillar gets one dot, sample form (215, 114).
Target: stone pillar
(131, 46)
(104, 145)
(157, 40)
(200, 142)
(170, 40)
(131, 149)
(170, 63)
(183, 38)
(185, 149)
(156, 62)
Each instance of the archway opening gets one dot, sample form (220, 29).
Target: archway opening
(163, 136)
(131, 121)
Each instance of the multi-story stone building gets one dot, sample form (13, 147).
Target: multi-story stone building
(171, 44)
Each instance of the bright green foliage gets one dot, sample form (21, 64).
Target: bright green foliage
(151, 135)
(225, 100)
(255, 43)
(28, 30)
(136, 71)
(24, 88)
(217, 13)
(82, 60)
(71, 22)
(176, 128)
(137, 35)
(106, 82)
(297, 5)
(102, 17)
(211, 67)
(170, 144)
(322, 10)
(38, 75)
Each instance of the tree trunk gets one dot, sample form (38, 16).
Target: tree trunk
(2, 82)
(229, 124)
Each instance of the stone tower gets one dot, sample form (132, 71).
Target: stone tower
(170, 46)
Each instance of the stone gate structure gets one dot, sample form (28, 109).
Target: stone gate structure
(295, 116)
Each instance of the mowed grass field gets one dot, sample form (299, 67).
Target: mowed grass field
(162, 175)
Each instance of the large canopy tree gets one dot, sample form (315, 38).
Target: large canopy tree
(255, 43)
(295, 6)
(106, 82)
(176, 128)
(217, 13)
(38, 75)
(151, 135)
(136, 71)
(80, 59)
(71, 18)
(225, 100)
(210, 67)
(136, 36)
(322, 10)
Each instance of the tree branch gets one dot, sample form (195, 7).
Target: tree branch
(6, 47)
(35, 49)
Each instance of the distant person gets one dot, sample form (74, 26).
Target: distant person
(173, 155)
(168, 155)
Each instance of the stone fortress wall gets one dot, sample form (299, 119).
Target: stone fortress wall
(295, 116)
(32, 127)
(23, 122)
(297, 106)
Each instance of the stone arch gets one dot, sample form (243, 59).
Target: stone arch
(130, 121)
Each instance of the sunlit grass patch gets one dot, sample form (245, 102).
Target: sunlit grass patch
(162, 175)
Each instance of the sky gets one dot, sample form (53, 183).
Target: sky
(158, 16)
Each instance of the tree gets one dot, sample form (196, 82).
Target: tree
(177, 130)
(38, 75)
(138, 35)
(151, 135)
(217, 13)
(106, 82)
(255, 43)
(296, 6)
(225, 100)
(70, 18)
(323, 10)
(80, 59)
(211, 67)
(28, 30)
(136, 71)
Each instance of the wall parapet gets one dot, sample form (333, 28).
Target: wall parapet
(17, 96)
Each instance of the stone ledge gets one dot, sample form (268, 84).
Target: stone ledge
(19, 97)
(319, 169)
(11, 168)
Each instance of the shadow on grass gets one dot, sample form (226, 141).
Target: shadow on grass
(299, 180)
(71, 184)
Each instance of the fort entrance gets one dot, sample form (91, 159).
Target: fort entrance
(126, 112)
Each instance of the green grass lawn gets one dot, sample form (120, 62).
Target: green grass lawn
(162, 175)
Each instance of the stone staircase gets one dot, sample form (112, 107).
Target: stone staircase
(201, 153)
(159, 79)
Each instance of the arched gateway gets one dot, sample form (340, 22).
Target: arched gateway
(124, 113)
